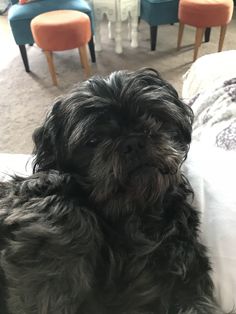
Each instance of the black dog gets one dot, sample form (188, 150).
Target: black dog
(103, 225)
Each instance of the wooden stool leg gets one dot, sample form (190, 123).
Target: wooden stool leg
(222, 37)
(180, 35)
(198, 41)
(84, 60)
(51, 66)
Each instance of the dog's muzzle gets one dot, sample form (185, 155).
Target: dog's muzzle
(133, 146)
(133, 150)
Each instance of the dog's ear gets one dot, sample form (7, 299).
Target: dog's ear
(44, 137)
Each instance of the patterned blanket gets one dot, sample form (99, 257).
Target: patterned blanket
(211, 170)
(215, 116)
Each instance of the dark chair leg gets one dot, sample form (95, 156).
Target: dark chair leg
(24, 57)
(153, 33)
(92, 50)
(207, 34)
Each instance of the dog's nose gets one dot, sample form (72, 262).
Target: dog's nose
(133, 145)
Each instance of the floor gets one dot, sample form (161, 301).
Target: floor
(26, 97)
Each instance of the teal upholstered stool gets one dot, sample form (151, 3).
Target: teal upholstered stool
(158, 12)
(20, 16)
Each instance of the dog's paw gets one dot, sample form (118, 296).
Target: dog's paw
(44, 183)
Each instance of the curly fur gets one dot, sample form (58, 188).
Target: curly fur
(104, 225)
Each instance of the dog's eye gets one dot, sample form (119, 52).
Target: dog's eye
(93, 141)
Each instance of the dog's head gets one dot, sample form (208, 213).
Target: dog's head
(125, 134)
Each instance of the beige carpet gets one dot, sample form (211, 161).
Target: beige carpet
(25, 98)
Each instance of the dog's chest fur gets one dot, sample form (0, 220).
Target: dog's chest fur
(121, 265)
(130, 267)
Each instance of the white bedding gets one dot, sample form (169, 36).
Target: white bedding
(212, 174)
(209, 71)
(10, 164)
(210, 89)
(215, 116)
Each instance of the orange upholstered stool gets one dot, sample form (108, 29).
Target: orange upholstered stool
(62, 30)
(203, 14)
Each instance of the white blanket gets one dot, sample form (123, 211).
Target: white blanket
(215, 116)
(212, 174)
(10, 164)
(208, 72)
(210, 89)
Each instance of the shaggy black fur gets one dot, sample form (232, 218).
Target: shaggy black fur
(104, 224)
